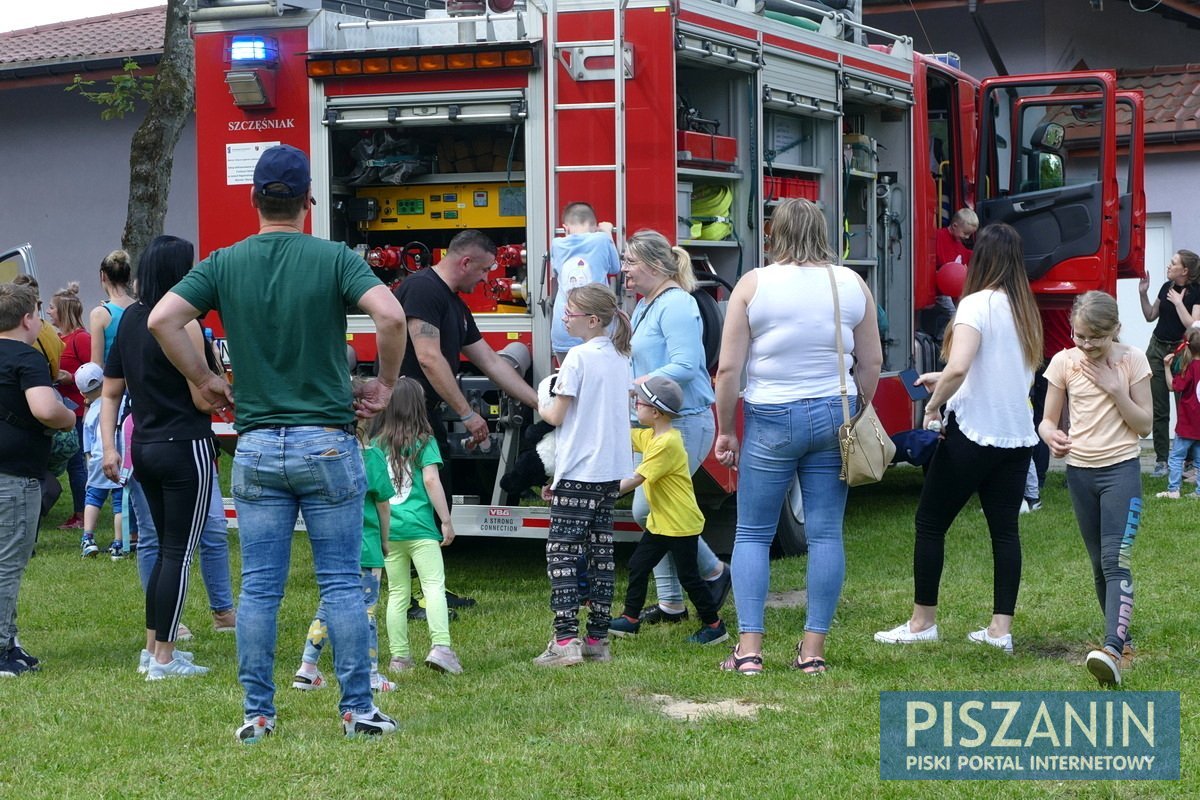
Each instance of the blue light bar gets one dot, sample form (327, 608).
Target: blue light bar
(253, 50)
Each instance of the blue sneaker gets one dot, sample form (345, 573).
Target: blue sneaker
(710, 635)
(621, 626)
(87, 547)
(1160, 470)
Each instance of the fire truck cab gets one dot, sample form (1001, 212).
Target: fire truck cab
(690, 117)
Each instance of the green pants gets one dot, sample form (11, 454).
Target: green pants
(426, 556)
(1160, 392)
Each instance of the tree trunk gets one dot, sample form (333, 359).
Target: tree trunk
(152, 153)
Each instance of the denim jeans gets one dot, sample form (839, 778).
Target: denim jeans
(277, 473)
(780, 441)
(214, 545)
(1181, 450)
(318, 630)
(20, 506)
(698, 432)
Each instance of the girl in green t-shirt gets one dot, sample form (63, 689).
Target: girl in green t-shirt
(415, 538)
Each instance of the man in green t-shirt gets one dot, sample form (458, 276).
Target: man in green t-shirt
(282, 296)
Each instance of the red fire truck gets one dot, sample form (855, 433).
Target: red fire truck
(690, 117)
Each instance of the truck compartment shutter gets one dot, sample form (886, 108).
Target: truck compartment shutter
(708, 47)
(873, 90)
(790, 84)
(425, 109)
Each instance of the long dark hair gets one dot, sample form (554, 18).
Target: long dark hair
(163, 264)
(998, 263)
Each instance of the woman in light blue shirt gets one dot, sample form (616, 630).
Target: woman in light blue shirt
(668, 340)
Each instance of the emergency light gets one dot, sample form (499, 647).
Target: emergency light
(251, 77)
(519, 57)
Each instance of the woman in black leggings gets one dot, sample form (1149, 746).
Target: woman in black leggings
(172, 449)
(992, 347)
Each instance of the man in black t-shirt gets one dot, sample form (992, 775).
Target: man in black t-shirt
(440, 328)
(28, 405)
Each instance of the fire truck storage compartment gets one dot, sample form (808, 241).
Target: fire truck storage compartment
(713, 161)
(416, 169)
(876, 221)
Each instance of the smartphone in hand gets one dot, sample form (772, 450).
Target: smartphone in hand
(917, 392)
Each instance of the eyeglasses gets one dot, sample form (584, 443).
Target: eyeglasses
(570, 315)
(1090, 339)
(630, 260)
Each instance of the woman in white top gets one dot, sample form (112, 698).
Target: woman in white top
(992, 347)
(779, 328)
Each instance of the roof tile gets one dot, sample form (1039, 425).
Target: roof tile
(125, 33)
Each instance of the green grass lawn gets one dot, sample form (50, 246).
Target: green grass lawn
(88, 726)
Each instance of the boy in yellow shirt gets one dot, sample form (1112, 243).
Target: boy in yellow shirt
(675, 521)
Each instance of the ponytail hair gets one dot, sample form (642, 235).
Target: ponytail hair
(671, 263)
(598, 300)
(117, 269)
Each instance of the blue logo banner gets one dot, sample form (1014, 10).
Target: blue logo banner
(1029, 735)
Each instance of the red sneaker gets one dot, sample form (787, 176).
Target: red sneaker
(74, 522)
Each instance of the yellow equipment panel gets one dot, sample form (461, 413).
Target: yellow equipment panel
(447, 205)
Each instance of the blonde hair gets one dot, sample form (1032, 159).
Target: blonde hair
(599, 300)
(965, 216)
(799, 234)
(671, 263)
(402, 428)
(116, 267)
(997, 263)
(1097, 312)
(68, 307)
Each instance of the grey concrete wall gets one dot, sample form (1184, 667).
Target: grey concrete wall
(65, 179)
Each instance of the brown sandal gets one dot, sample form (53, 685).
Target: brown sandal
(751, 664)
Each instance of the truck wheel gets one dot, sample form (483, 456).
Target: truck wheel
(790, 539)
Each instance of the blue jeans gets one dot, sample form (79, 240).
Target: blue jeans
(214, 545)
(1181, 450)
(20, 506)
(781, 441)
(277, 473)
(318, 630)
(698, 432)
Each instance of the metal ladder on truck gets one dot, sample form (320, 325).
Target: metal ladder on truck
(615, 63)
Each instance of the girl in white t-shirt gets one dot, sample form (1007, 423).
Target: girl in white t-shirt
(592, 455)
(991, 347)
(1107, 387)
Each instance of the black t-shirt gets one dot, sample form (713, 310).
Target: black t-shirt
(24, 448)
(1170, 328)
(425, 296)
(162, 405)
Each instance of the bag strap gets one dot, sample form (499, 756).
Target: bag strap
(837, 329)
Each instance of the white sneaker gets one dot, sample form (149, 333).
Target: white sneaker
(146, 657)
(443, 659)
(372, 723)
(306, 683)
(983, 637)
(561, 655)
(903, 635)
(176, 668)
(380, 683)
(1104, 668)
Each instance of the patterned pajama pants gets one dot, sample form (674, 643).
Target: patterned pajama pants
(581, 523)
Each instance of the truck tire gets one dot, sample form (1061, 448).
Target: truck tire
(790, 539)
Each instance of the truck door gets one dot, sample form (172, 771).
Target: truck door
(1064, 204)
(17, 261)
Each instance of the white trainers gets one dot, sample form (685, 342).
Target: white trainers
(306, 682)
(1168, 495)
(176, 668)
(146, 657)
(372, 723)
(561, 655)
(983, 637)
(902, 634)
(380, 683)
(1104, 668)
(443, 659)
(255, 728)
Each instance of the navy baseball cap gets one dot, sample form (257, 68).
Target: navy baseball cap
(282, 164)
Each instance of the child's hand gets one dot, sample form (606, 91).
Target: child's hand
(1168, 358)
(547, 493)
(1103, 374)
(1059, 443)
(447, 533)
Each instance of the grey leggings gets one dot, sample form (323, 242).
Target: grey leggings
(1108, 506)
